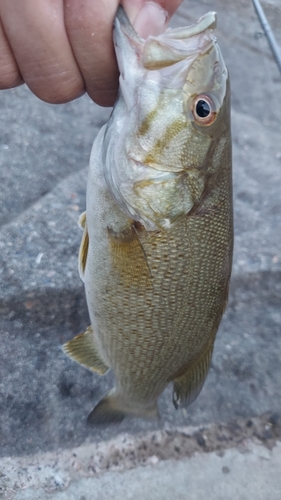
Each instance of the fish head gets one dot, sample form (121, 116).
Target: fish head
(169, 126)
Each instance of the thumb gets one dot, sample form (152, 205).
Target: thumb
(149, 17)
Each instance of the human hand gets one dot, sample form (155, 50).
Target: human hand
(63, 48)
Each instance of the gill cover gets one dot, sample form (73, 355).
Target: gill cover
(147, 166)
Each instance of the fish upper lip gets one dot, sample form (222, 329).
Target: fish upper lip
(124, 22)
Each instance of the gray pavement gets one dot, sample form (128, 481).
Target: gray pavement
(173, 463)
(196, 478)
(44, 151)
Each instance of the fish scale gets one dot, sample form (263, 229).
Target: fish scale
(185, 294)
(157, 246)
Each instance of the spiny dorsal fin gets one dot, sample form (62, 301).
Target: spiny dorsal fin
(83, 350)
(188, 386)
(83, 251)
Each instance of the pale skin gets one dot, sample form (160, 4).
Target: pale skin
(63, 48)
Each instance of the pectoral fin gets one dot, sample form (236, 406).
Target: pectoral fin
(83, 251)
(83, 350)
(128, 256)
(188, 386)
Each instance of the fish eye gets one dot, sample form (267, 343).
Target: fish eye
(204, 110)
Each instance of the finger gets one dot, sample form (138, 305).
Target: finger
(148, 17)
(133, 7)
(36, 33)
(89, 28)
(9, 72)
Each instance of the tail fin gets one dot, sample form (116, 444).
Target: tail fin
(112, 409)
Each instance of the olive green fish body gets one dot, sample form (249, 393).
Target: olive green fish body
(157, 246)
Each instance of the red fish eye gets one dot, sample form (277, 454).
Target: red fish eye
(203, 110)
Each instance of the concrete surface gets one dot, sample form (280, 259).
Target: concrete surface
(196, 478)
(44, 151)
(173, 463)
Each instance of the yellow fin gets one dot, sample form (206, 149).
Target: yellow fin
(188, 386)
(112, 409)
(107, 411)
(82, 220)
(83, 251)
(83, 350)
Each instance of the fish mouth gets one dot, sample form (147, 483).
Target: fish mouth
(208, 21)
(170, 47)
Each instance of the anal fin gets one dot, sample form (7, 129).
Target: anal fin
(188, 385)
(83, 350)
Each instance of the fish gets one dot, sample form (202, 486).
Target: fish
(156, 251)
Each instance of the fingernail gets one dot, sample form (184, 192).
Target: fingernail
(151, 20)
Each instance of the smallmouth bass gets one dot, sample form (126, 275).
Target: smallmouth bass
(157, 240)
